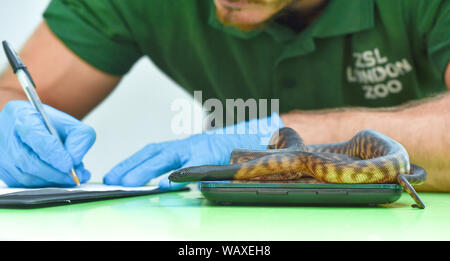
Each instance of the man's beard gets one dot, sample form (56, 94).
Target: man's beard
(227, 17)
(288, 15)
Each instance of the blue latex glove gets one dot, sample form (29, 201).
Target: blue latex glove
(31, 157)
(212, 147)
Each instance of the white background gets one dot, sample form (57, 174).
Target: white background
(138, 111)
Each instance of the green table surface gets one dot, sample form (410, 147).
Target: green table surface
(188, 216)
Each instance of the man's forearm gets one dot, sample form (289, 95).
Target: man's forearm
(9, 94)
(423, 129)
(66, 82)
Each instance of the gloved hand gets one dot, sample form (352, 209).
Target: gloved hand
(31, 157)
(212, 147)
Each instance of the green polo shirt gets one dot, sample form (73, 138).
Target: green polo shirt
(356, 53)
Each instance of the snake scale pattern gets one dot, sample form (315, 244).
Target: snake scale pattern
(368, 157)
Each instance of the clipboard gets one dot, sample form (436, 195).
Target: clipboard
(55, 196)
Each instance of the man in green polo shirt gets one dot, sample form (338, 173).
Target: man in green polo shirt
(336, 67)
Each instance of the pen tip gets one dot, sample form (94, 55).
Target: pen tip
(78, 182)
(75, 177)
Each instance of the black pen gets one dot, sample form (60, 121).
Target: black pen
(29, 86)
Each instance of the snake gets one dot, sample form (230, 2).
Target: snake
(368, 157)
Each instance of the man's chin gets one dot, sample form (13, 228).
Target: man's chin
(241, 19)
(248, 17)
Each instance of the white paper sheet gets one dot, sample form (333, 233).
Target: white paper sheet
(84, 187)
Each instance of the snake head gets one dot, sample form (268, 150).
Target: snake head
(204, 172)
(179, 175)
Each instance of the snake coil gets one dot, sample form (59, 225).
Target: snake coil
(368, 157)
